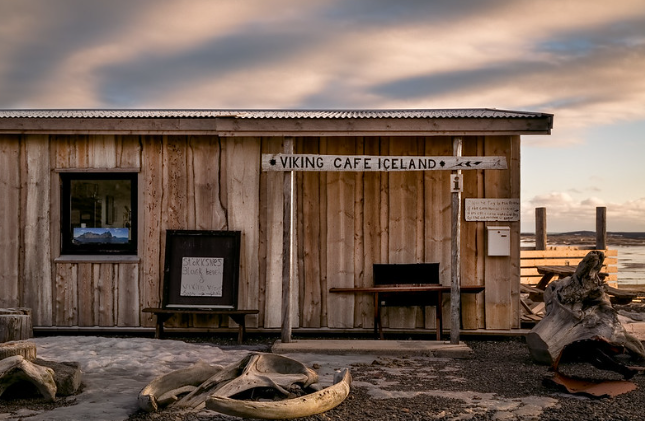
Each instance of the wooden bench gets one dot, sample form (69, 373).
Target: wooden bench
(415, 284)
(238, 316)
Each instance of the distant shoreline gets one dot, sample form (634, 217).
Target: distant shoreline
(588, 238)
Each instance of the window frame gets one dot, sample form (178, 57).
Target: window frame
(67, 247)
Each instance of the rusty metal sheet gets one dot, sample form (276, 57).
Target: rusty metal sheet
(596, 389)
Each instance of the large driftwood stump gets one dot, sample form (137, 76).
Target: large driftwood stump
(15, 324)
(16, 369)
(578, 311)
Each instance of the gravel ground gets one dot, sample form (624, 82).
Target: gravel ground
(499, 383)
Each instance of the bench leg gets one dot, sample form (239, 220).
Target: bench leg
(240, 319)
(161, 318)
(378, 325)
(439, 322)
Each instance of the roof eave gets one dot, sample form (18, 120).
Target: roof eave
(236, 127)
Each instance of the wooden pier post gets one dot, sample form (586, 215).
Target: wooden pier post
(601, 228)
(540, 228)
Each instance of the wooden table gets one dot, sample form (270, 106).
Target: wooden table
(238, 316)
(439, 290)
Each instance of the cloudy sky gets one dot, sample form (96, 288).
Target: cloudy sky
(582, 60)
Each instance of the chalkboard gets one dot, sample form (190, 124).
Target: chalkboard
(201, 269)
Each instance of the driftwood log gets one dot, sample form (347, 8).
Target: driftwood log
(578, 311)
(67, 376)
(15, 324)
(25, 348)
(17, 369)
(18, 363)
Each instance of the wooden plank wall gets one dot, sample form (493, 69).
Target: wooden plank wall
(401, 218)
(10, 222)
(345, 223)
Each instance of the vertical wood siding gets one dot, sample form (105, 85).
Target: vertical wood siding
(403, 218)
(345, 223)
(10, 221)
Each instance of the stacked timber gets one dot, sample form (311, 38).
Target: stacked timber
(15, 324)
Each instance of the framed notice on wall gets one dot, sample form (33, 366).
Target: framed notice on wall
(201, 269)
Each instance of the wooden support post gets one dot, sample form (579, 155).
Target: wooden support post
(540, 228)
(455, 268)
(286, 245)
(601, 228)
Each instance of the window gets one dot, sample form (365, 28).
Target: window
(99, 213)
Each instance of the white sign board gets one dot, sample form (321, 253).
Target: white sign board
(303, 162)
(201, 276)
(492, 210)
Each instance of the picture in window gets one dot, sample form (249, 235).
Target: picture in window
(98, 213)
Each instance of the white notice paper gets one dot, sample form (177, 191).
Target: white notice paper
(492, 210)
(202, 276)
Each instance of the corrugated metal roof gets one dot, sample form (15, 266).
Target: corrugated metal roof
(275, 114)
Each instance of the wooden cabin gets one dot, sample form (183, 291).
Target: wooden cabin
(201, 170)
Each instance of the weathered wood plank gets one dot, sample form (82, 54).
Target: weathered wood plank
(437, 219)
(175, 207)
(10, 215)
(151, 238)
(562, 261)
(402, 226)
(472, 244)
(322, 218)
(175, 182)
(63, 149)
(340, 238)
(127, 287)
(274, 227)
(312, 292)
(243, 184)
(361, 315)
(128, 151)
(106, 287)
(498, 274)
(264, 238)
(371, 232)
(102, 151)
(287, 247)
(86, 287)
(35, 201)
(66, 295)
(82, 155)
(385, 208)
(560, 252)
(515, 190)
(532, 270)
(209, 212)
